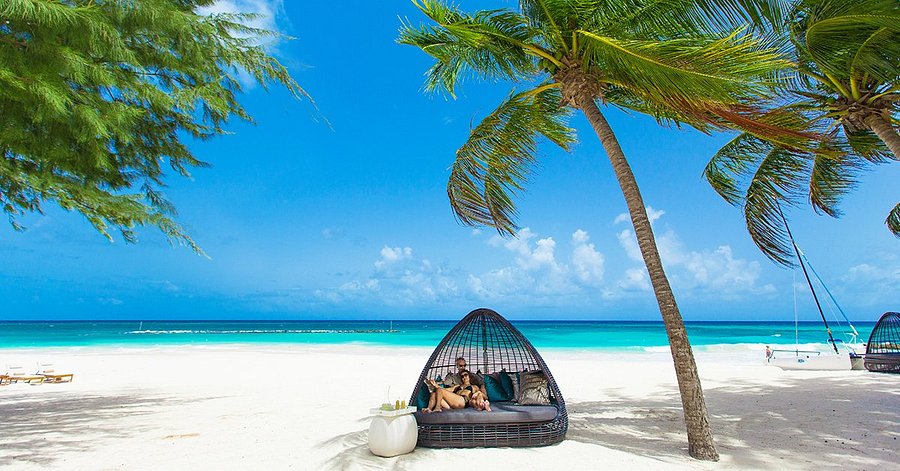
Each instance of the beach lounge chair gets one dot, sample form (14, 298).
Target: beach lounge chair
(52, 376)
(500, 354)
(17, 374)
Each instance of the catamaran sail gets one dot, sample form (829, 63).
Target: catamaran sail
(814, 360)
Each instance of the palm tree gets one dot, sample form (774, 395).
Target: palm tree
(847, 90)
(664, 59)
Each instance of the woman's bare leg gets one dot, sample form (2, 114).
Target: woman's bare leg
(453, 400)
(432, 400)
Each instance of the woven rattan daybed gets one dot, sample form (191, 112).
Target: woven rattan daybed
(500, 354)
(883, 347)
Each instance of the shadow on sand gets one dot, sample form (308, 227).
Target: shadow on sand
(798, 422)
(759, 426)
(36, 430)
(350, 451)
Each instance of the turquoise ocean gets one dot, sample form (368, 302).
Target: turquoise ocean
(583, 335)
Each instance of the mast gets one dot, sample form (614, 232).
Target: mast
(828, 292)
(808, 281)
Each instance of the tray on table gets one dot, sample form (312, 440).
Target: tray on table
(392, 412)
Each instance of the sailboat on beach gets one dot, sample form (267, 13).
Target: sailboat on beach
(813, 359)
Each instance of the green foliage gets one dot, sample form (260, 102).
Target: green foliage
(848, 58)
(494, 163)
(760, 176)
(97, 98)
(680, 61)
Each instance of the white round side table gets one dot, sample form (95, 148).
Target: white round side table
(394, 432)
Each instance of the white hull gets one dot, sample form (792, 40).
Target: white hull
(811, 361)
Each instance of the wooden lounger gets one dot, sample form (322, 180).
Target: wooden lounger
(55, 378)
(30, 379)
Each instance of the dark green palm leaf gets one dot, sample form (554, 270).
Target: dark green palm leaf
(678, 72)
(845, 36)
(675, 18)
(834, 174)
(868, 146)
(761, 177)
(779, 178)
(495, 161)
(488, 44)
(893, 220)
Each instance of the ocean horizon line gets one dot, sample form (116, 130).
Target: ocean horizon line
(543, 333)
(534, 321)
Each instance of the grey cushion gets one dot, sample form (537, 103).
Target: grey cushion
(533, 389)
(503, 413)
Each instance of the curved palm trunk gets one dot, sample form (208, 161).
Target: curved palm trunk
(885, 131)
(700, 442)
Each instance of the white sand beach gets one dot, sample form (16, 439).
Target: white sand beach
(305, 407)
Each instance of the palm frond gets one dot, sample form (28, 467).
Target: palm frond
(489, 44)
(494, 163)
(848, 39)
(893, 220)
(761, 177)
(833, 175)
(732, 166)
(778, 179)
(677, 18)
(867, 145)
(550, 18)
(727, 70)
(625, 100)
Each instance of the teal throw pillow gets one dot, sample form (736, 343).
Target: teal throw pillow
(495, 391)
(506, 383)
(423, 397)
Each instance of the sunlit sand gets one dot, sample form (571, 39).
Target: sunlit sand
(305, 407)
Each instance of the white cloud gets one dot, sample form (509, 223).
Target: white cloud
(535, 272)
(390, 256)
(266, 11)
(635, 279)
(268, 14)
(528, 258)
(331, 233)
(630, 244)
(399, 279)
(867, 284)
(707, 273)
(865, 273)
(110, 301)
(626, 236)
(652, 214)
(541, 271)
(586, 260)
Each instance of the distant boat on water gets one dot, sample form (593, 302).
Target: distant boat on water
(813, 359)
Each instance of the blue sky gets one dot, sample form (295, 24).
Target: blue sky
(306, 221)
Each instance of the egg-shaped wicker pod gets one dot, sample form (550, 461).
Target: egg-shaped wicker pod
(492, 347)
(883, 347)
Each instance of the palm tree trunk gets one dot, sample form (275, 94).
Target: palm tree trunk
(700, 441)
(885, 131)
